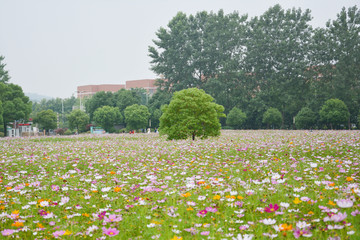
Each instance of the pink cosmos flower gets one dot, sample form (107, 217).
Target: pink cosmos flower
(110, 231)
(301, 232)
(206, 233)
(271, 208)
(338, 217)
(345, 203)
(210, 209)
(58, 233)
(55, 188)
(112, 218)
(7, 232)
(202, 213)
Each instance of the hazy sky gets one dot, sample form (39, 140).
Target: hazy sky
(53, 46)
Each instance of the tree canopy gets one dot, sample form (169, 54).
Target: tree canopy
(136, 117)
(78, 120)
(273, 60)
(334, 112)
(47, 119)
(191, 113)
(107, 117)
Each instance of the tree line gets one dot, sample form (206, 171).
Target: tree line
(276, 61)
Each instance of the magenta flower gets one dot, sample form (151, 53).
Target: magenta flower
(300, 232)
(102, 215)
(110, 231)
(112, 218)
(271, 208)
(202, 213)
(7, 232)
(55, 188)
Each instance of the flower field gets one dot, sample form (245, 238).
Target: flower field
(242, 185)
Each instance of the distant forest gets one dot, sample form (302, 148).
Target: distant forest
(276, 60)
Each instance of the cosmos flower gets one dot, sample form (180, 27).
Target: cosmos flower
(269, 221)
(112, 218)
(110, 231)
(271, 208)
(345, 203)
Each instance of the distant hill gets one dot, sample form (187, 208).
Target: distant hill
(34, 97)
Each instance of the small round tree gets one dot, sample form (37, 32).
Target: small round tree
(136, 116)
(78, 119)
(272, 117)
(191, 113)
(236, 118)
(107, 117)
(305, 118)
(334, 112)
(47, 119)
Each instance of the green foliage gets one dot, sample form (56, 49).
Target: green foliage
(107, 117)
(15, 104)
(136, 117)
(78, 119)
(99, 100)
(155, 118)
(195, 48)
(334, 112)
(47, 119)
(305, 118)
(272, 117)
(4, 75)
(1, 119)
(124, 98)
(236, 118)
(191, 113)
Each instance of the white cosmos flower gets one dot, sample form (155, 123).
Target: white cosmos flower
(106, 189)
(269, 221)
(345, 203)
(243, 237)
(302, 224)
(285, 205)
(44, 203)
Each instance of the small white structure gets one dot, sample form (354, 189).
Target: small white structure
(20, 129)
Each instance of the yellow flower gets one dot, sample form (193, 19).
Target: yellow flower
(39, 225)
(67, 232)
(176, 238)
(240, 197)
(311, 213)
(189, 209)
(117, 189)
(331, 203)
(15, 212)
(207, 187)
(186, 195)
(86, 215)
(216, 197)
(349, 179)
(297, 201)
(17, 224)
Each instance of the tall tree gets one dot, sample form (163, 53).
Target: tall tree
(196, 48)
(124, 98)
(277, 57)
(4, 75)
(99, 100)
(337, 60)
(16, 106)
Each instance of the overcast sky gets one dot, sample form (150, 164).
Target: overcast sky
(53, 46)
